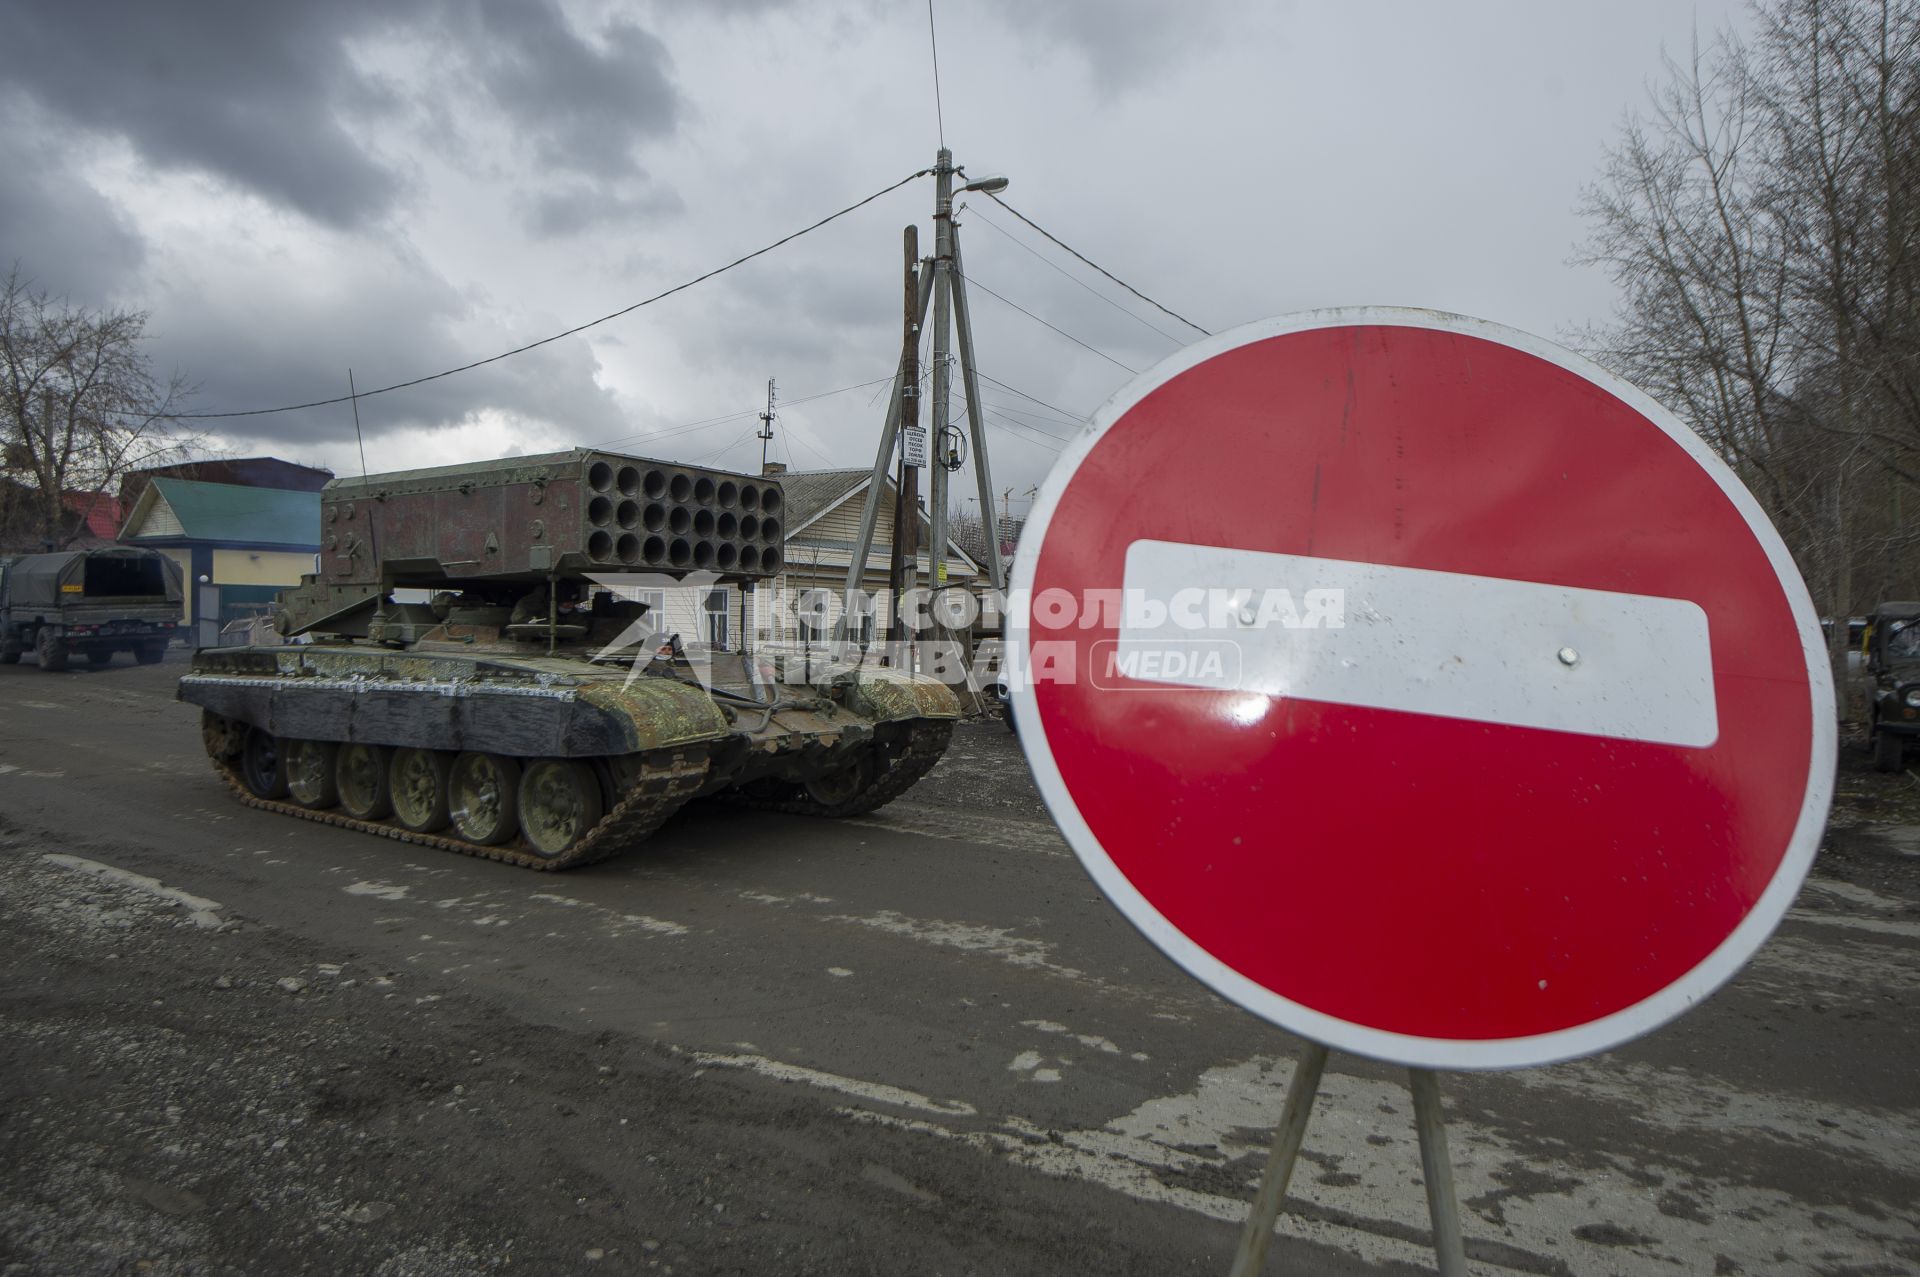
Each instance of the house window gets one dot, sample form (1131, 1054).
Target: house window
(718, 606)
(815, 612)
(860, 618)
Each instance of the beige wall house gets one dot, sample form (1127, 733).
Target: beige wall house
(238, 546)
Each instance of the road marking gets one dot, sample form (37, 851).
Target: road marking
(200, 911)
(1480, 648)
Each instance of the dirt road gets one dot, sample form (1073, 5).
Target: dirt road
(918, 1041)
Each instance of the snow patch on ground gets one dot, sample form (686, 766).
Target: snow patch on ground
(878, 1092)
(383, 890)
(996, 941)
(200, 911)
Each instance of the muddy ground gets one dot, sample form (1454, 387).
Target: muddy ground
(187, 1093)
(235, 1046)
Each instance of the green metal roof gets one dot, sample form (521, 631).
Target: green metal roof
(230, 512)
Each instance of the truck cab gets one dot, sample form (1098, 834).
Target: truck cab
(1893, 682)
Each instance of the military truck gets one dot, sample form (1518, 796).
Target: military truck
(1893, 682)
(89, 603)
(547, 695)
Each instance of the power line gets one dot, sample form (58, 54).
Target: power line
(1103, 270)
(998, 230)
(1076, 417)
(1023, 435)
(578, 328)
(974, 279)
(723, 448)
(730, 416)
(1029, 417)
(939, 115)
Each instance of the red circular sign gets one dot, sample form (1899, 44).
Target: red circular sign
(1422, 687)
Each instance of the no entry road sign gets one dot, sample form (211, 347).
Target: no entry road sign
(1422, 687)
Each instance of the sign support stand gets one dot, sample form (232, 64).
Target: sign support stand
(1448, 1246)
(1437, 1170)
(1286, 1150)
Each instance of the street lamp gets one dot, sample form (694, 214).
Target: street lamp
(991, 184)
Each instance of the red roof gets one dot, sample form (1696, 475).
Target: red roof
(100, 511)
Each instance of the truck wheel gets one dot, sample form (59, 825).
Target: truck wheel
(100, 657)
(1889, 751)
(9, 654)
(53, 653)
(151, 653)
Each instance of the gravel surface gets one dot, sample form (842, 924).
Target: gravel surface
(185, 1093)
(188, 1089)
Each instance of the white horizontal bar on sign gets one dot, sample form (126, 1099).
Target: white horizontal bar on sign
(1480, 648)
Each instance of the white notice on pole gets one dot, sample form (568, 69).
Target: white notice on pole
(913, 445)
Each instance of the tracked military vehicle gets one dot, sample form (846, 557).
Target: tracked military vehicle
(491, 660)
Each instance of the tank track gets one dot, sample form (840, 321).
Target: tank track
(926, 743)
(667, 779)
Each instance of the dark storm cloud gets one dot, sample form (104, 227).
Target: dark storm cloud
(49, 216)
(242, 90)
(580, 107)
(388, 318)
(264, 95)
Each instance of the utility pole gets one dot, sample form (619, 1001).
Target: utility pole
(943, 278)
(906, 522)
(942, 347)
(766, 426)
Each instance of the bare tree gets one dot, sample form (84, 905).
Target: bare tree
(1759, 219)
(79, 407)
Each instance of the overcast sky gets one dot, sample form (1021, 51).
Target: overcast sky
(292, 190)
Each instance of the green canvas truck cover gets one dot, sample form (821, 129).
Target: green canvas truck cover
(75, 576)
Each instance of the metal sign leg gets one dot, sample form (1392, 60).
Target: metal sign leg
(1448, 1248)
(1286, 1149)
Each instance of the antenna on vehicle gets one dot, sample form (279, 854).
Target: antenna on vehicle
(359, 438)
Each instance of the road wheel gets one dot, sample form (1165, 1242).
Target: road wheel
(360, 774)
(100, 657)
(418, 779)
(842, 786)
(53, 653)
(310, 772)
(9, 653)
(263, 765)
(483, 797)
(222, 736)
(559, 804)
(150, 653)
(1889, 751)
